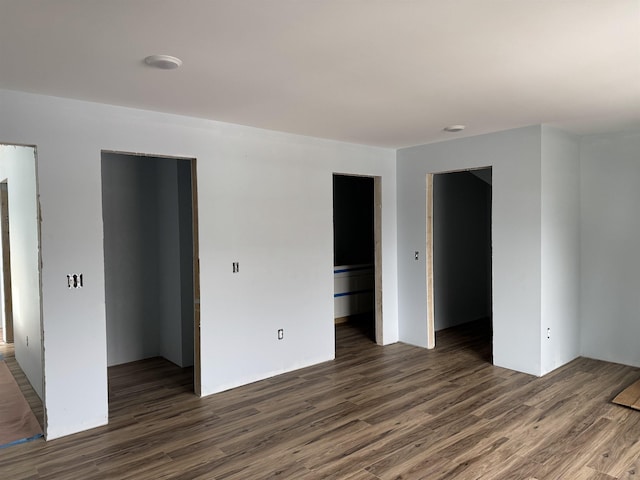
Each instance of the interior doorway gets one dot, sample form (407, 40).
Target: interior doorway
(459, 256)
(20, 276)
(357, 251)
(152, 296)
(7, 324)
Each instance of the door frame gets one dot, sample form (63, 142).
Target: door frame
(377, 253)
(7, 307)
(197, 375)
(38, 220)
(377, 250)
(431, 332)
(197, 381)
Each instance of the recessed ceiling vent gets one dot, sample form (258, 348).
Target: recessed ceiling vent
(163, 62)
(454, 128)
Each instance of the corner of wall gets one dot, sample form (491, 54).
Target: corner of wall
(560, 243)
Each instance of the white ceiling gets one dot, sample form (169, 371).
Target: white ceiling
(380, 72)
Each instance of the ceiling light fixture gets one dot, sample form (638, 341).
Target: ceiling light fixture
(454, 128)
(164, 62)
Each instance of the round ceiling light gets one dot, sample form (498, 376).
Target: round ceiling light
(454, 128)
(164, 62)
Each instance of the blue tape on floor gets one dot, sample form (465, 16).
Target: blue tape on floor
(23, 440)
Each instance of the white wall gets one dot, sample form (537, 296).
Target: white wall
(265, 200)
(610, 238)
(560, 248)
(18, 167)
(515, 156)
(129, 200)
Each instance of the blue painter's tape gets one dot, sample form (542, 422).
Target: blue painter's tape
(354, 269)
(22, 440)
(346, 294)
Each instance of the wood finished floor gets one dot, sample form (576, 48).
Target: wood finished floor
(7, 350)
(395, 412)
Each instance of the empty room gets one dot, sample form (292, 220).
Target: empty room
(297, 239)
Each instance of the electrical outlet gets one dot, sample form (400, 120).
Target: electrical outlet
(416, 255)
(75, 280)
(548, 333)
(280, 333)
(236, 267)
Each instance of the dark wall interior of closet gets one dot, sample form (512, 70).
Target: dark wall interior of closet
(352, 220)
(462, 247)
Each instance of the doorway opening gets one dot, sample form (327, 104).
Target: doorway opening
(459, 259)
(357, 254)
(7, 324)
(21, 330)
(149, 208)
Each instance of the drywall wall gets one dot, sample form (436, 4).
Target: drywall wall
(185, 228)
(353, 220)
(560, 248)
(167, 238)
(516, 233)
(143, 258)
(462, 248)
(265, 200)
(18, 167)
(609, 240)
(129, 197)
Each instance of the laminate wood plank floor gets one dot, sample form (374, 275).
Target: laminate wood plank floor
(7, 351)
(394, 412)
